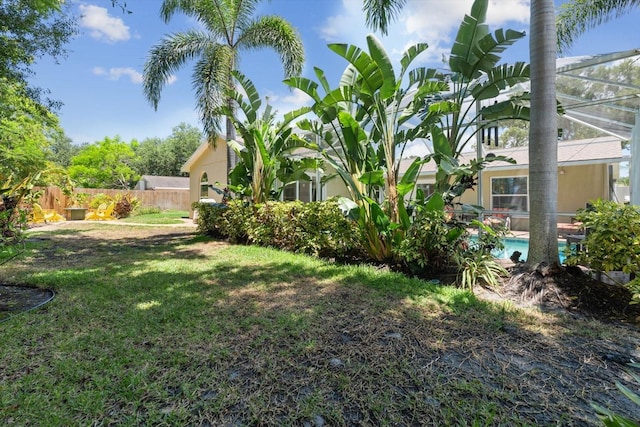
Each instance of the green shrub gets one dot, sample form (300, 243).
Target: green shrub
(612, 241)
(478, 267)
(430, 244)
(209, 217)
(235, 223)
(323, 230)
(99, 199)
(270, 225)
(13, 214)
(316, 228)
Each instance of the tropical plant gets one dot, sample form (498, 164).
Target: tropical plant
(474, 55)
(612, 419)
(432, 241)
(266, 148)
(229, 28)
(361, 133)
(476, 264)
(475, 75)
(612, 242)
(125, 205)
(13, 217)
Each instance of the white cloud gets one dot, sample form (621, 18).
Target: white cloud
(115, 74)
(286, 101)
(432, 21)
(101, 26)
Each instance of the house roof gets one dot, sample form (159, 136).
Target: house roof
(202, 149)
(153, 182)
(607, 149)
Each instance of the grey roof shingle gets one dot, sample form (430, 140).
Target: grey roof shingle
(606, 149)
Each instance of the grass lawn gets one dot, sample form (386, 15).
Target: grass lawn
(164, 217)
(157, 326)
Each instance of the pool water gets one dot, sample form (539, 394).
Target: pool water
(521, 245)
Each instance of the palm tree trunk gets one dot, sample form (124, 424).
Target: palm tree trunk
(231, 155)
(543, 143)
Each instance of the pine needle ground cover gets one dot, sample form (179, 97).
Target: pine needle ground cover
(157, 326)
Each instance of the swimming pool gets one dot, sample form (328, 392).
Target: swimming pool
(512, 244)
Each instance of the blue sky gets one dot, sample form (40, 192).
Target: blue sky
(100, 81)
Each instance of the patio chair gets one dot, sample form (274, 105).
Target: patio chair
(498, 219)
(38, 214)
(103, 213)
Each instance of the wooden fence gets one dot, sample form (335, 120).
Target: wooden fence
(52, 198)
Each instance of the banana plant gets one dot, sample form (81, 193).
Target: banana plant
(476, 76)
(362, 134)
(265, 151)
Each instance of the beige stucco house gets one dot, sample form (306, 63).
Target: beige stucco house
(206, 166)
(587, 170)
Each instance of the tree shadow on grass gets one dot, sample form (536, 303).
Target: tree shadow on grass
(255, 336)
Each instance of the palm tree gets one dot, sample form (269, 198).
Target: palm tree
(229, 27)
(577, 16)
(543, 144)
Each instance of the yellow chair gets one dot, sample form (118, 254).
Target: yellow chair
(38, 214)
(103, 213)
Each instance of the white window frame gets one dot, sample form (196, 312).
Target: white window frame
(204, 183)
(491, 194)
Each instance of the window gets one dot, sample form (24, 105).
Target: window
(510, 193)
(289, 192)
(204, 186)
(305, 191)
(427, 189)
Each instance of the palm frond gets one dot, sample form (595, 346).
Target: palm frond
(278, 34)
(577, 16)
(380, 13)
(167, 57)
(210, 80)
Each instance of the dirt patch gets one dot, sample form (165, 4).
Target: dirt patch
(568, 290)
(15, 299)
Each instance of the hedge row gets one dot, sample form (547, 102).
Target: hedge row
(316, 228)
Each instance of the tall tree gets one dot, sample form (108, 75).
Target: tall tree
(29, 30)
(26, 130)
(543, 134)
(105, 164)
(229, 28)
(577, 16)
(182, 142)
(165, 157)
(61, 150)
